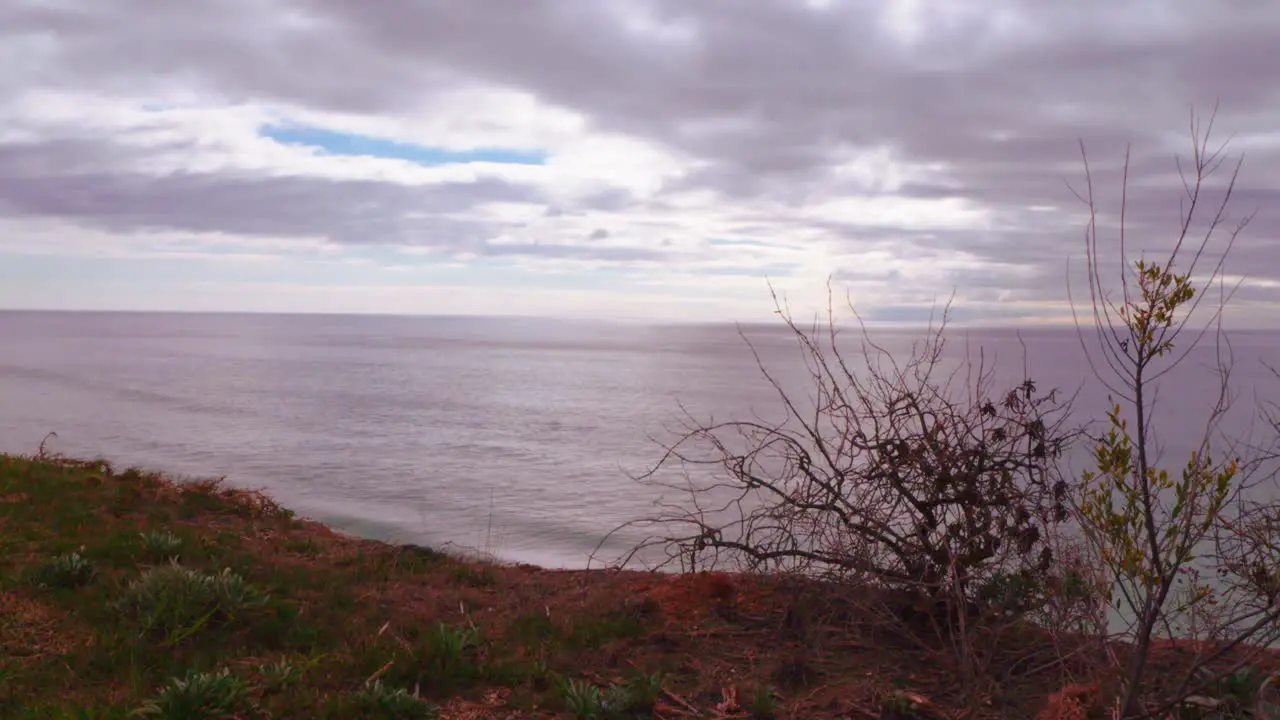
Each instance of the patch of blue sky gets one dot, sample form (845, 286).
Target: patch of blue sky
(334, 142)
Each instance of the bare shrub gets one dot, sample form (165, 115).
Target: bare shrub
(921, 482)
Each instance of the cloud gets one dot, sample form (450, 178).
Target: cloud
(909, 151)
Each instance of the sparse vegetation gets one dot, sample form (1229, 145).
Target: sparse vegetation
(196, 604)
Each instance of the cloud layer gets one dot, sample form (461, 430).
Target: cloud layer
(673, 154)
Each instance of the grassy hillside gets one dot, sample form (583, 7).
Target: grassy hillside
(123, 591)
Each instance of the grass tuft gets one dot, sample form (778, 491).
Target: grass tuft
(451, 651)
(160, 546)
(278, 675)
(178, 602)
(376, 701)
(582, 699)
(643, 692)
(199, 696)
(67, 571)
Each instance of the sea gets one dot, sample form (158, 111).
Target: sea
(523, 439)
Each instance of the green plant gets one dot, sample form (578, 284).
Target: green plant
(1237, 696)
(540, 674)
(643, 691)
(634, 698)
(438, 659)
(1267, 703)
(1013, 592)
(451, 651)
(67, 571)
(198, 696)
(160, 546)
(8, 671)
(898, 705)
(764, 703)
(177, 602)
(582, 698)
(1240, 688)
(903, 705)
(376, 701)
(232, 593)
(616, 701)
(278, 675)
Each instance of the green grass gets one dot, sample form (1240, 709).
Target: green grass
(133, 596)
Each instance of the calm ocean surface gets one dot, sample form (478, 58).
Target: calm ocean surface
(511, 436)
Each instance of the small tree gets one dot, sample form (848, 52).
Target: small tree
(1172, 543)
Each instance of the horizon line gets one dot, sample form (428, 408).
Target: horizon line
(994, 326)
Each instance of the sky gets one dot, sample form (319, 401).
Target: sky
(639, 159)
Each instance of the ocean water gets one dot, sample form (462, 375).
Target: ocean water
(511, 436)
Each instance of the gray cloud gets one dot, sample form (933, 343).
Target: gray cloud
(291, 206)
(762, 94)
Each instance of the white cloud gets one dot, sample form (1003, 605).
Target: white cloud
(908, 150)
